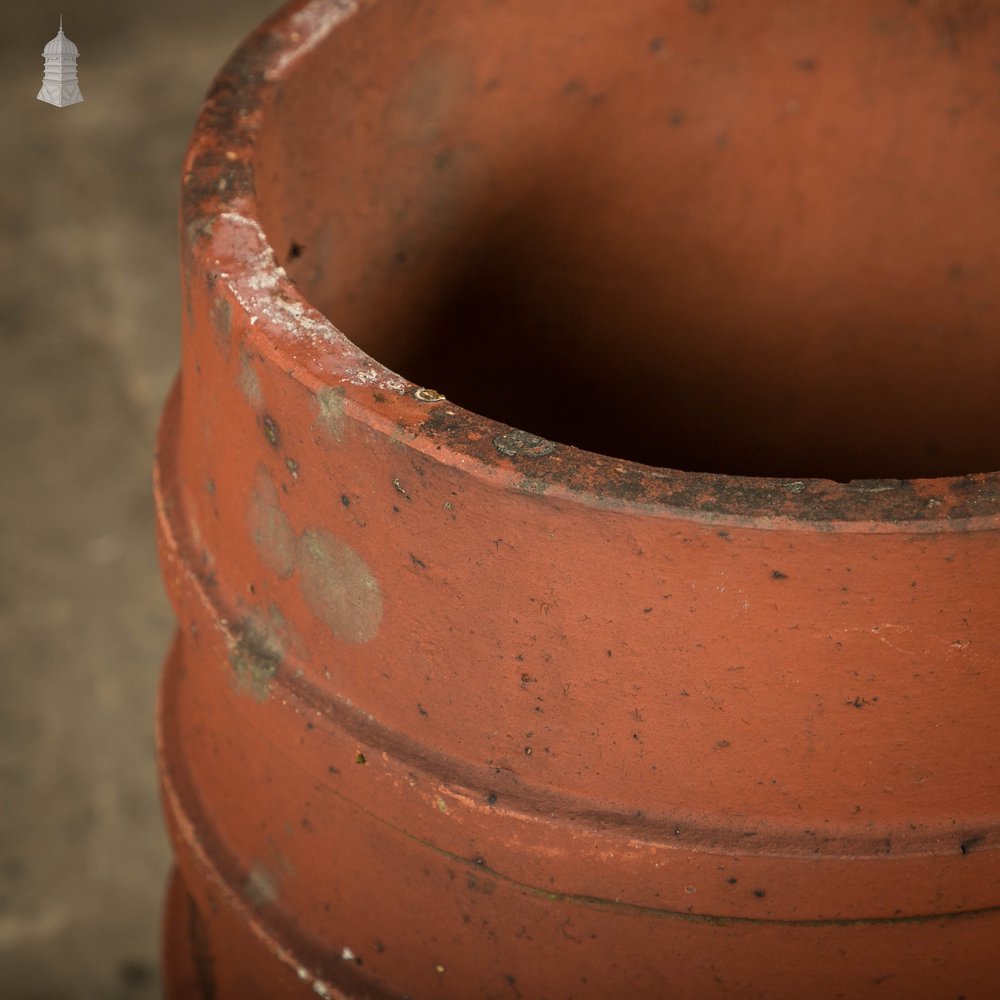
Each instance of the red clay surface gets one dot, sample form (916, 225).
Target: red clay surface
(459, 710)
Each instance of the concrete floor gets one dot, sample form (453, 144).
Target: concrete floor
(89, 318)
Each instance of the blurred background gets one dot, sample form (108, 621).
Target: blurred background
(89, 315)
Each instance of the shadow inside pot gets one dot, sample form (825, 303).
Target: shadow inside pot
(763, 248)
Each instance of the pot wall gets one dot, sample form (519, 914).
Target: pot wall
(457, 710)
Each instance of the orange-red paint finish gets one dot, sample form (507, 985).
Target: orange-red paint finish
(458, 710)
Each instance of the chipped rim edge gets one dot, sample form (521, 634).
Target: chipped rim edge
(220, 225)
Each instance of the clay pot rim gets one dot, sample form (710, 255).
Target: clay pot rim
(222, 232)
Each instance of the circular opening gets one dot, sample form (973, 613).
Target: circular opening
(753, 239)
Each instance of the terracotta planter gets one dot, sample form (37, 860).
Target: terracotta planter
(458, 710)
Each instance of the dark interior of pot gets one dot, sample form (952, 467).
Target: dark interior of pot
(749, 238)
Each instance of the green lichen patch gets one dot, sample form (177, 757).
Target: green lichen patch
(273, 536)
(255, 658)
(338, 586)
(330, 417)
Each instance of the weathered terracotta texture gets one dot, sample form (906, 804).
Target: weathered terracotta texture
(459, 710)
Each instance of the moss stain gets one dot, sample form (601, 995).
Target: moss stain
(269, 528)
(222, 323)
(260, 886)
(255, 658)
(271, 431)
(336, 582)
(249, 383)
(330, 418)
(338, 586)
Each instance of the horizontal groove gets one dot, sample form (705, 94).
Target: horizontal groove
(477, 868)
(525, 802)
